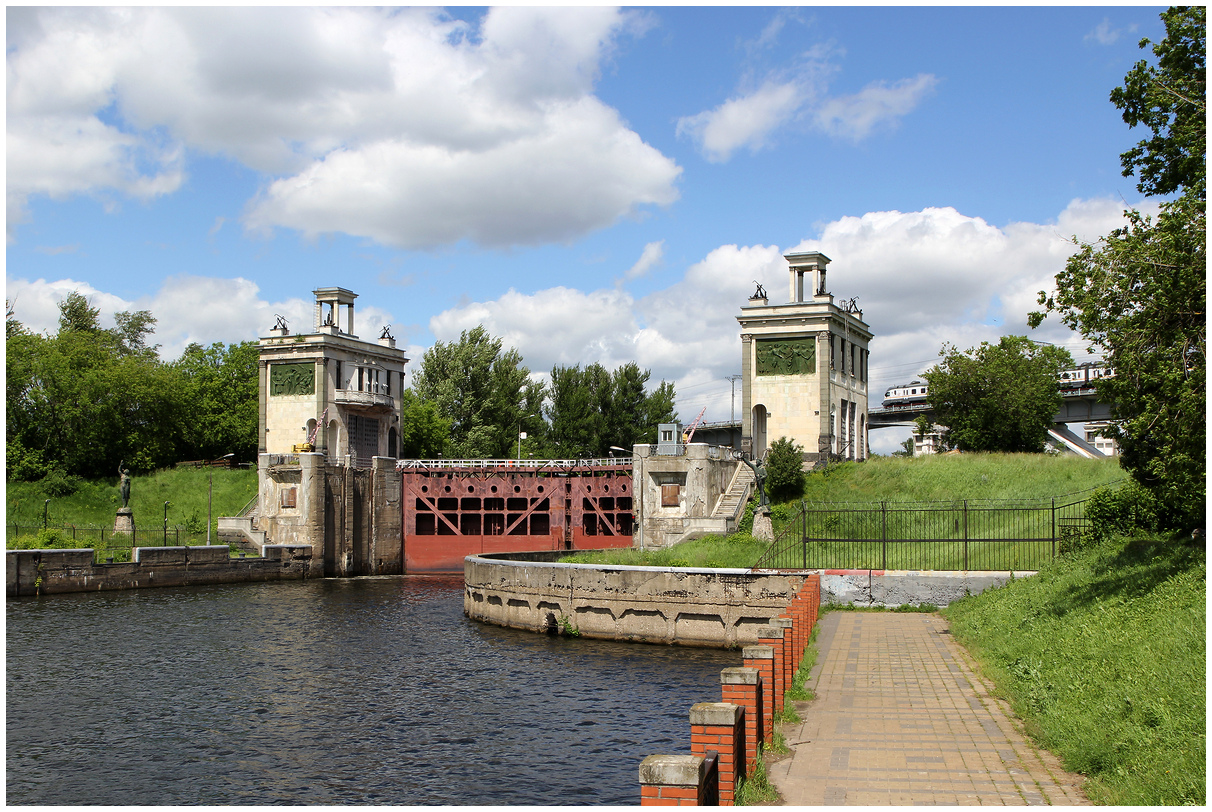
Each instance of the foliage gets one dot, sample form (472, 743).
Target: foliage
(1140, 293)
(220, 382)
(1103, 654)
(592, 410)
(1169, 100)
(998, 397)
(784, 470)
(423, 432)
(1130, 511)
(86, 398)
(480, 389)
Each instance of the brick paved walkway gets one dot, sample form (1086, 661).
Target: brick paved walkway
(901, 718)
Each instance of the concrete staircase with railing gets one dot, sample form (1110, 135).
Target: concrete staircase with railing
(240, 531)
(733, 500)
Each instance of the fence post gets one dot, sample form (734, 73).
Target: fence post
(965, 535)
(1054, 527)
(883, 535)
(804, 535)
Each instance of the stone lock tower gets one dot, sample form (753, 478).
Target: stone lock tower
(330, 390)
(804, 368)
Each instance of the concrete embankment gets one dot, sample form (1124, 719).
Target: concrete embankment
(49, 572)
(683, 606)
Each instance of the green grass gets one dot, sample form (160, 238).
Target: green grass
(96, 501)
(945, 478)
(714, 551)
(1102, 654)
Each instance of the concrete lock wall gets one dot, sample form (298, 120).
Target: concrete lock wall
(49, 572)
(692, 607)
(350, 516)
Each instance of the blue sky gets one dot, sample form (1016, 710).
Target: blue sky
(591, 184)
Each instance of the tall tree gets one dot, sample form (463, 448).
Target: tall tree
(1140, 294)
(998, 397)
(220, 382)
(479, 389)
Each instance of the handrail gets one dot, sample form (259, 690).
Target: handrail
(443, 464)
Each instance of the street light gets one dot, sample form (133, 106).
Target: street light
(210, 496)
(521, 434)
(165, 524)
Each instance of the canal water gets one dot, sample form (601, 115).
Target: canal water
(350, 691)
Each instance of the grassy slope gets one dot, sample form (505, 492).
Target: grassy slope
(96, 502)
(1103, 655)
(959, 476)
(893, 479)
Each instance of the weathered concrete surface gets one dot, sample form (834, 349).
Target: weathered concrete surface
(902, 717)
(49, 572)
(696, 478)
(693, 607)
(900, 587)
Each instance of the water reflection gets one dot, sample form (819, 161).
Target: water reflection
(368, 691)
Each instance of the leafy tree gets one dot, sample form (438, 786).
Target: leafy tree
(592, 410)
(1170, 100)
(220, 382)
(1140, 293)
(423, 432)
(784, 470)
(998, 397)
(82, 400)
(479, 389)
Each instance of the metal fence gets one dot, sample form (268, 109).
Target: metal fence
(108, 544)
(963, 535)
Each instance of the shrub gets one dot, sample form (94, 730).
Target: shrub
(1130, 510)
(784, 470)
(58, 483)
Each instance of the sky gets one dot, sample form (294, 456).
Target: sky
(591, 184)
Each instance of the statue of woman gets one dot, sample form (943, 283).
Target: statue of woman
(124, 483)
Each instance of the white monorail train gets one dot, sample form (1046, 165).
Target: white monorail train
(1080, 377)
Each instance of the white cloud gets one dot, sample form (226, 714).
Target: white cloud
(651, 256)
(1105, 34)
(404, 126)
(743, 121)
(922, 278)
(879, 103)
(799, 92)
(187, 309)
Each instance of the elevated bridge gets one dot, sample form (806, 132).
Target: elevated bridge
(1077, 406)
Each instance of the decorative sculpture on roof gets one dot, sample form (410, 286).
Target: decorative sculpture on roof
(281, 323)
(386, 334)
(760, 293)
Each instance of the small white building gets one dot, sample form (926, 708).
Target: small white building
(1104, 445)
(329, 391)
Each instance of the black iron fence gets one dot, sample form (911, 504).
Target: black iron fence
(962, 535)
(105, 542)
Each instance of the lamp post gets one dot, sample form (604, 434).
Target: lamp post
(165, 524)
(521, 434)
(210, 495)
(45, 508)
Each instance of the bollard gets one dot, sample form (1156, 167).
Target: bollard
(743, 687)
(672, 780)
(772, 636)
(720, 727)
(762, 658)
(790, 663)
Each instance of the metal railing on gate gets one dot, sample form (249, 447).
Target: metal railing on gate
(964, 535)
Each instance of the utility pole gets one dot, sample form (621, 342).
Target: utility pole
(732, 410)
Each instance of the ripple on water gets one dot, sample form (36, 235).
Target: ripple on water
(358, 691)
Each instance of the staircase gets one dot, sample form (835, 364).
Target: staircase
(732, 501)
(239, 531)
